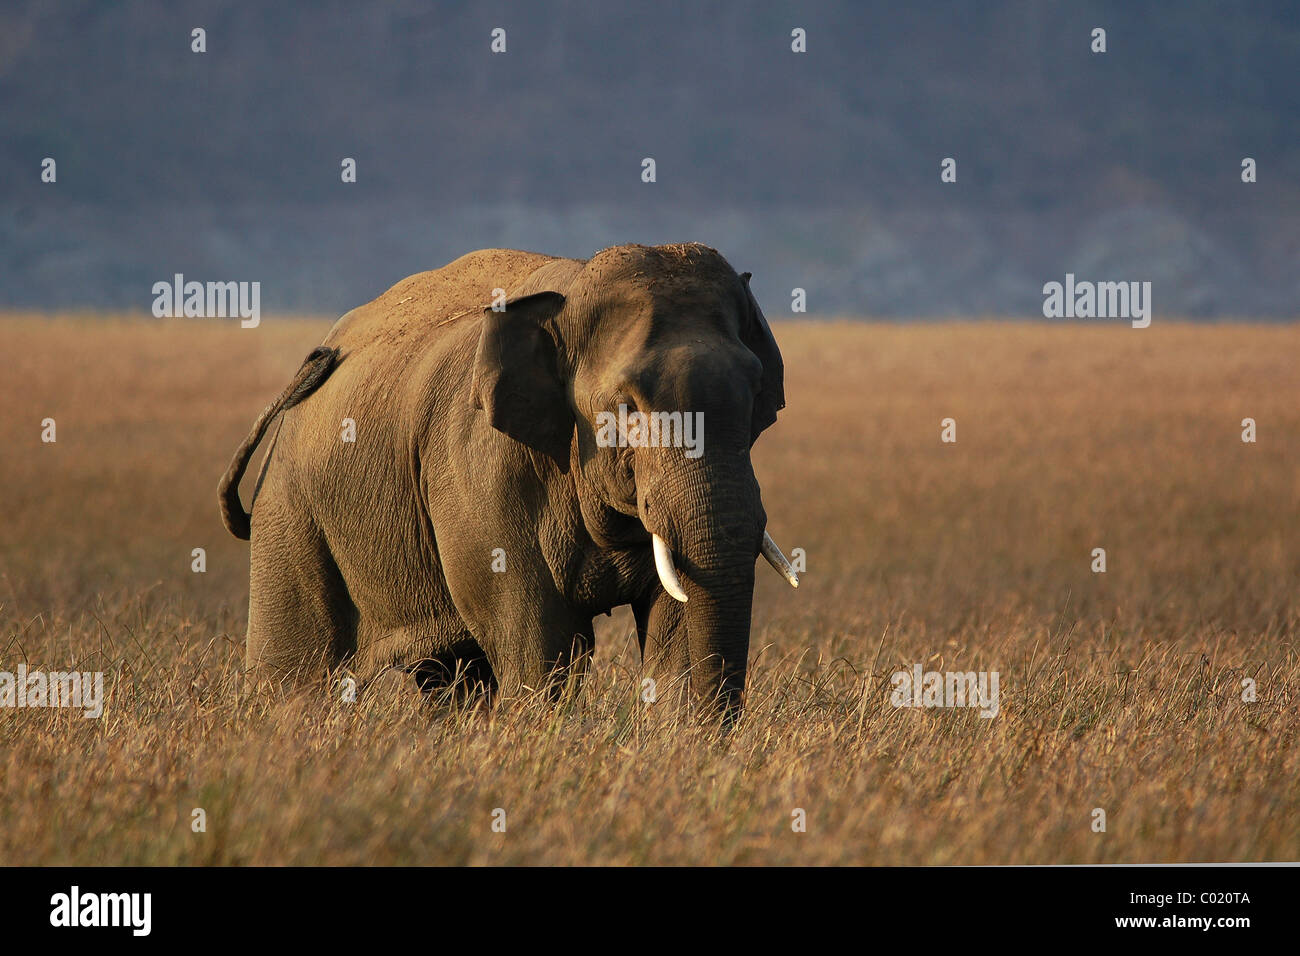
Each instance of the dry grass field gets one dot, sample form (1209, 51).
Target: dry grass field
(1120, 691)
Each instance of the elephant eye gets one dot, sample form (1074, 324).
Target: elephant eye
(625, 474)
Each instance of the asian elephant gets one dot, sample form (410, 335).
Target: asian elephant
(467, 471)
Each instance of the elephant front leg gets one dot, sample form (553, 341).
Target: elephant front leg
(536, 647)
(665, 656)
(511, 601)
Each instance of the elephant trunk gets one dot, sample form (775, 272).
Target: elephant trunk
(717, 632)
(712, 535)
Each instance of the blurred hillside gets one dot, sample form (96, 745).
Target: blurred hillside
(816, 170)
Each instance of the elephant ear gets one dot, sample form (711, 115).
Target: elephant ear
(757, 336)
(517, 379)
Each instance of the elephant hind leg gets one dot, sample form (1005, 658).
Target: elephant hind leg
(465, 672)
(301, 620)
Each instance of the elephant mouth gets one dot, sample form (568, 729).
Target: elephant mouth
(666, 566)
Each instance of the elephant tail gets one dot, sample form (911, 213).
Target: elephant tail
(315, 369)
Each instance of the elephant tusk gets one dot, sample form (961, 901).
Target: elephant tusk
(667, 573)
(778, 560)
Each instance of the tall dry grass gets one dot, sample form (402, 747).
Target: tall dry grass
(1119, 691)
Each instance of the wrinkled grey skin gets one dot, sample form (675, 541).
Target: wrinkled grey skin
(476, 430)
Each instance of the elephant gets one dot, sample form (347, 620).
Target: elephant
(461, 477)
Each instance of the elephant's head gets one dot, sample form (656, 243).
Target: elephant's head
(647, 374)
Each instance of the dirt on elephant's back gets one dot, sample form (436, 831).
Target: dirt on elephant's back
(426, 301)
